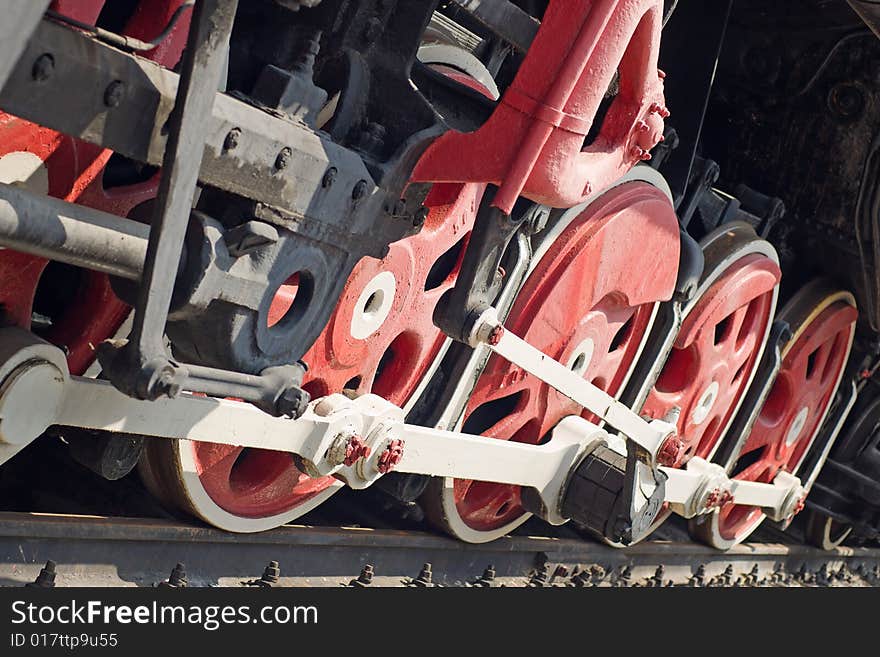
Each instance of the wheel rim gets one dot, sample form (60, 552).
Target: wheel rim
(715, 354)
(825, 532)
(728, 250)
(600, 336)
(380, 339)
(790, 420)
(251, 489)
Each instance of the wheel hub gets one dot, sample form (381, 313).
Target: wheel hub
(705, 404)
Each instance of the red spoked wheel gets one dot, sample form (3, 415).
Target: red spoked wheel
(823, 322)
(719, 345)
(582, 305)
(71, 307)
(380, 339)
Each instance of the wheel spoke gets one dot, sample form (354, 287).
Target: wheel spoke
(822, 323)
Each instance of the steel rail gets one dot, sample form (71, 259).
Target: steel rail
(101, 551)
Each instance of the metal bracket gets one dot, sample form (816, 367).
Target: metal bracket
(147, 372)
(19, 21)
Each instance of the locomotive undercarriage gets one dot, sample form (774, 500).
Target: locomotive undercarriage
(463, 252)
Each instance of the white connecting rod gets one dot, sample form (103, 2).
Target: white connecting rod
(648, 434)
(357, 440)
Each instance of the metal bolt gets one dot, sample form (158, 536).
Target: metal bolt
(355, 450)
(360, 190)
(166, 384)
(496, 335)
(46, 578)
(750, 579)
(623, 578)
(727, 575)
(539, 578)
(670, 451)
(698, 579)
(559, 571)
(271, 573)
(283, 158)
(177, 580)
(486, 579)
(424, 580)
(823, 577)
(778, 575)
(420, 217)
(391, 456)
(114, 93)
(329, 177)
(365, 578)
(581, 579)
(269, 578)
(347, 449)
(43, 68)
(232, 138)
(657, 580)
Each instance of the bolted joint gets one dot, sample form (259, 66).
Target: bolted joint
(282, 161)
(671, 451)
(347, 449)
(46, 577)
(496, 335)
(391, 456)
(230, 143)
(43, 68)
(794, 500)
(114, 93)
(716, 498)
(177, 579)
(355, 450)
(365, 578)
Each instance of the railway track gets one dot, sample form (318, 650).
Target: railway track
(101, 551)
(452, 265)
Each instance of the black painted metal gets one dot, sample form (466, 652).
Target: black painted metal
(505, 19)
(147, 372)
(692, 55)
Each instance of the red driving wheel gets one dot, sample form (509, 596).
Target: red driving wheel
(719, 345)
(380, 339)
(822, 322)
(582, 305)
